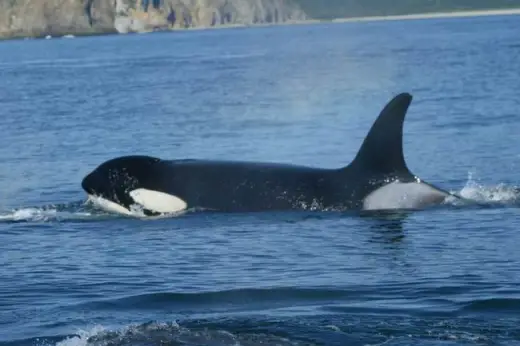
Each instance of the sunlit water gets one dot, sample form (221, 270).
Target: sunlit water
(72, 275)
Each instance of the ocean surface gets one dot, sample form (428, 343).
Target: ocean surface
(74, 275)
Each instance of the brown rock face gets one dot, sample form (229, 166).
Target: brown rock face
(195, 13)
(26, 18)
(19, 18)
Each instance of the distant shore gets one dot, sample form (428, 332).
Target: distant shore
(429, 15)
(415, 16)
(432, 15)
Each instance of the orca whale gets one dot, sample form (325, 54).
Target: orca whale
(377, 179)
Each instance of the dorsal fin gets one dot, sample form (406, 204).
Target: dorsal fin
(382, 149)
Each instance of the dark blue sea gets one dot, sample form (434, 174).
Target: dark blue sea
(74, 275)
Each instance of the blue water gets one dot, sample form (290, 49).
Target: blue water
(73, 275)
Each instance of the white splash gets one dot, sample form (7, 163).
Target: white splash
(168, 333)
(500, 193)
(41, 214)
(82, 338)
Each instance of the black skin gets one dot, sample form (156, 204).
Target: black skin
(252, 186)
(232, 186)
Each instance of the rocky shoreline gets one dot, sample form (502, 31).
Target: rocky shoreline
(40, 18)
(65, 18)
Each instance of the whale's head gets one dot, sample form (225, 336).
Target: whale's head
(118, 184)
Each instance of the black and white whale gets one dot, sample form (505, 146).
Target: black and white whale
(377, 179)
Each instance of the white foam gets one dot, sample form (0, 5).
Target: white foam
(28, 214)
(499, 193)
(41, 214)
(82, 338)
(493, 194)
(168, 333)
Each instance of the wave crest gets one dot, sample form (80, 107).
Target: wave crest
(154, 333)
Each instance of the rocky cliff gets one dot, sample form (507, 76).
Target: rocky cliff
(33, 18)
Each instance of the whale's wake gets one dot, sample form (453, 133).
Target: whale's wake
(74, 211)
(501, 194)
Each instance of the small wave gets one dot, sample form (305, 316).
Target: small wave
(82, 337)
(154, 333)
(310, 330)
(428, 301)
(253, 298)
(496, 305)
